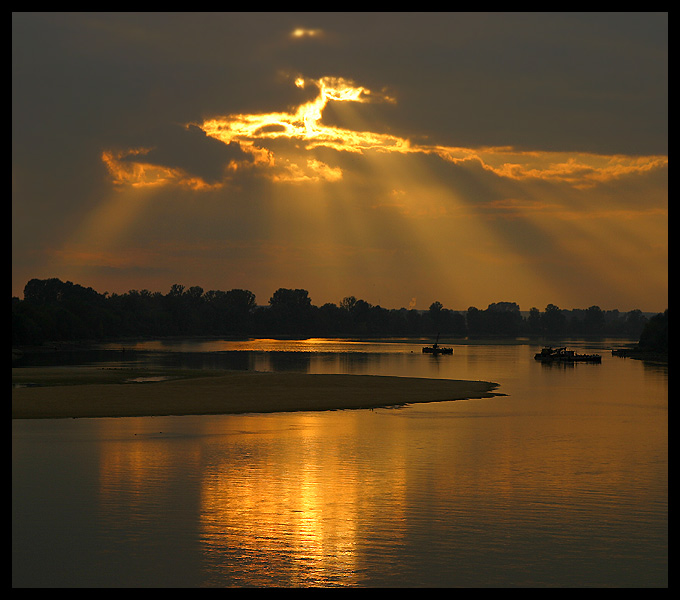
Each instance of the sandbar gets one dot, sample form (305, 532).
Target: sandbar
(231, 392)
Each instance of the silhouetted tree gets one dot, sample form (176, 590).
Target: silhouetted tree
(414, 322)
(634, 323)
(554, 321)
(654, 337)
(534, 324)
(26, 328)
(593, 320)
(435, 313)
(331, 319)
(474, 319)
(291, 310)
(230, 312)
(347, 303)
(445, 321)
(502, 319)
(53, 310)
(361, 315)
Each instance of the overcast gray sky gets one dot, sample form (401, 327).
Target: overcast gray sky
(401, 158)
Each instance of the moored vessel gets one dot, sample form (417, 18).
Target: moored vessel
(437, 349)
(549, 354)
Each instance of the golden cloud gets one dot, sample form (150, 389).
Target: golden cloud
(303, 126)
(138, 173)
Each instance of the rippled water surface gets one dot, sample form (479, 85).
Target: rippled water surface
(561, 482)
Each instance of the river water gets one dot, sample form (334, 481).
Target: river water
(561, 482)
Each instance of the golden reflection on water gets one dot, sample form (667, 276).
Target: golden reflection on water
(322, 499)
(273, 500)
(567, 474)
(299, 518)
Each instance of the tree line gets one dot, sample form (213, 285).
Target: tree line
(53, 310)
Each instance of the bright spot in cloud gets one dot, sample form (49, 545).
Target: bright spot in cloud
(305, 123)
(253, 132)
(301, 32)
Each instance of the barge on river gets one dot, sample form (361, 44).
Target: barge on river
(564, 355)
(436, 349)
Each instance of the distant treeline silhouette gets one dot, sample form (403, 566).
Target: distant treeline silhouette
(53, 310)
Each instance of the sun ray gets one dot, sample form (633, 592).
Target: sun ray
(577, 169)
(99, 239)
(591, 243)
(409, 207)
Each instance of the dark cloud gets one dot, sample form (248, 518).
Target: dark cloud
(552, 81)
(190, 149)
(570, 83)
(557, 81)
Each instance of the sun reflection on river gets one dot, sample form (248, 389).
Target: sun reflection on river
(300, 518)
(562, 482)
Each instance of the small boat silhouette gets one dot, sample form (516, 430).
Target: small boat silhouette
(437, 349)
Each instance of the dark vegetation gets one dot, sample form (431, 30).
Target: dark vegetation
(57, 311)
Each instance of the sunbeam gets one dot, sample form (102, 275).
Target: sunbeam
(99, 241)
(358, 204)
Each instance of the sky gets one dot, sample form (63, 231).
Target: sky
(401, 158)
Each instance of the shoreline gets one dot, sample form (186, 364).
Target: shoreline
(73, 393)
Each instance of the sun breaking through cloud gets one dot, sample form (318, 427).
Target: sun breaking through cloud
(304, 126)
(430, 215)
(331, 153)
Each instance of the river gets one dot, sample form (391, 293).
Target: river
(560, 482)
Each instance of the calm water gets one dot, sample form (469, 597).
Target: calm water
(563, 482)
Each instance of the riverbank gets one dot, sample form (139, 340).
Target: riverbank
(76, 392)
(636, 353)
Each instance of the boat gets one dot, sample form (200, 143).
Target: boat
(437, 349)
(563, 355)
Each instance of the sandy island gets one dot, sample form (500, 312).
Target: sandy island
(58, 392)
